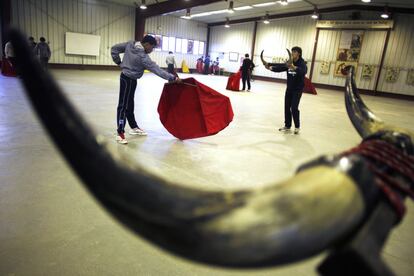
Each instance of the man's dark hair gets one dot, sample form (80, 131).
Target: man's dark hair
(42, 39)
(170, 52)
(246, 55)
(31, 38)
(149, 39)
(297, 49)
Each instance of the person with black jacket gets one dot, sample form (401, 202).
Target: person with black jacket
(246, 70)
(296, 71)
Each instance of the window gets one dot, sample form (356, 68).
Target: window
(165, 43)
(195, 47)
(184, 46)
(201, 48)
(178, 45)
(171, 44)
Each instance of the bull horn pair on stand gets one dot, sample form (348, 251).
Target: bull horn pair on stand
(323, 205)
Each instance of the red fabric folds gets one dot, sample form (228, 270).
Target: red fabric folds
(192, 109)
(233, 83)
(309, 87)
(7, 68)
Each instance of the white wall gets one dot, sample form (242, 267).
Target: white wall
(180, 28)
(53, 18)
(280, 34)
(400, 53)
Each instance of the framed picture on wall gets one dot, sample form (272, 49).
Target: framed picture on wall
(325, 67)
(340, 65)
(410, 77)
(391, 75)
(367, 71)
(233, 56)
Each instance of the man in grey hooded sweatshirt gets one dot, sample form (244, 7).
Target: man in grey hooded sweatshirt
(133, 64)
(42, 50)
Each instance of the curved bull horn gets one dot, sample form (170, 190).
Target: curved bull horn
(263, 60)
(273, 64)
(290, 60)
(278, 224)
(364, 121)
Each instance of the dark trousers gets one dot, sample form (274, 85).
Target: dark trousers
(125, 110)
(292, 99)
(44, 62)
(170, 68)
(246, 77)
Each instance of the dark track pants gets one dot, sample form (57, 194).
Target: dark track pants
(292, 99)
(125, 110)
(246, 77)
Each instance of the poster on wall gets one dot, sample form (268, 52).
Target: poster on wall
(367, 71)
(190, 47)
(391, 75)
(233, 56)
(325, 65)
(158, 38)
(340, 65)
(410, 77)
(349, 50)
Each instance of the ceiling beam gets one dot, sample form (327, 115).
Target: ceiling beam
(172, 6)
(325, 10)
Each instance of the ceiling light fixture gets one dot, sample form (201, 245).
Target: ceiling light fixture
(227, 25)
(315, 14)
(187, 14)
(242, 8)
(385, 14)
(366, 1)
(230, 9)
(143, 6)
(266, 19)
(264, 4)
(284, 2)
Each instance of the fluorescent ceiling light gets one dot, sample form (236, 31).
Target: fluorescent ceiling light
(243, 8)
(264, 4)
(201, 14)
(366, 1)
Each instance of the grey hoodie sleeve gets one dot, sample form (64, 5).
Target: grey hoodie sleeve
(116, 50)
(154, 68)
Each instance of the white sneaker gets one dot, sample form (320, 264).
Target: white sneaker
(120, 139)
(296, 131)
(284, 129)
(137, 131)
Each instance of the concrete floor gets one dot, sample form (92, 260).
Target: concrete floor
(50, 225)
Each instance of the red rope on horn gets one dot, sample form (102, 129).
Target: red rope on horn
(390, 166)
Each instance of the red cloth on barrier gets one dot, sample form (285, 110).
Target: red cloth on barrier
(192, 109)
(233, 83)
(309, 87)
(7, 68)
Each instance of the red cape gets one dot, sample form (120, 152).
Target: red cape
(192, 110)
(233, 83)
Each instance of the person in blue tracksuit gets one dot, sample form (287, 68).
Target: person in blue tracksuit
(296, 71)
(133, 64)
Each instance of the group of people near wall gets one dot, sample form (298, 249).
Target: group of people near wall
(206, 66)
(40, 49)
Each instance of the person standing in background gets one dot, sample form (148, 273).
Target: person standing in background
(206, 65)
(170, 60)
(42, 50)
(9, 52)
(246, 70)
(32, 43)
